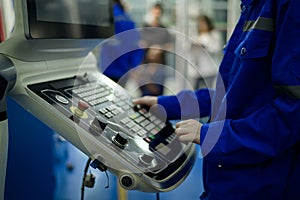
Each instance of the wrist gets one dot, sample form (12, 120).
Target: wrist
(197, 138)
(203, 132)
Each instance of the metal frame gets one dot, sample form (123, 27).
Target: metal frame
(7, 80)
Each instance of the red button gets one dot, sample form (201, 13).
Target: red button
(83, 105)
(147, 140)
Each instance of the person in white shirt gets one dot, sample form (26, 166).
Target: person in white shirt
(205, 53)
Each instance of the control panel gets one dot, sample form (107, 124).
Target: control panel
(142, 139)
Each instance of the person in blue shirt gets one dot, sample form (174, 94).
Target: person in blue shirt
(121, 53)
(251, 144)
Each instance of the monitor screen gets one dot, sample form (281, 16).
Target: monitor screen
(69, 19)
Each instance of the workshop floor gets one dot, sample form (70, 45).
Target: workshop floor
(69, 180)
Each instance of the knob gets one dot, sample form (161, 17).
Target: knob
(120, 140)
(146, 159)
(81, 107)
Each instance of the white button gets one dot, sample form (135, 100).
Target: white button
(61, 99)
(243, 51)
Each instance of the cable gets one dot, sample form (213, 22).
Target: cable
(107, 186)
(157, 196)
(84, 175)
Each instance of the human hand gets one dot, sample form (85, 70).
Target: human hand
(188, 131)
(154, 108)
(146, 100)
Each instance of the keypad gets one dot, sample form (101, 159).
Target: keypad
(137, 120)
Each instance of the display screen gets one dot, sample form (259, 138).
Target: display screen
(70, 18)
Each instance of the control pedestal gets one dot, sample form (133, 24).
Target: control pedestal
(98, 116)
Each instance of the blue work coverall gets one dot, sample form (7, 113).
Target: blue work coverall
(251, 145)
(119, 56)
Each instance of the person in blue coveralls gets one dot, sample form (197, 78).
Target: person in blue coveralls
(122, 53)
(251, 144)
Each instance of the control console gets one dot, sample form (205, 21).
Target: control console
(150, 158)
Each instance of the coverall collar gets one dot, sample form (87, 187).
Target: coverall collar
(246, 2)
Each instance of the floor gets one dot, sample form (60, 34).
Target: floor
(69, 180)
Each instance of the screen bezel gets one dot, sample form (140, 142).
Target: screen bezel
(59, 30)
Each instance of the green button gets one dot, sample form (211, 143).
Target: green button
(152, 137)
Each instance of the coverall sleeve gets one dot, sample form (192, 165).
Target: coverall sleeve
(274, 128)
(187, 104)
(261, 136)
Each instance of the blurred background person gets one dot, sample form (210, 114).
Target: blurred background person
(205, 53)
(151, 76)
(121, 53)
(156, 40)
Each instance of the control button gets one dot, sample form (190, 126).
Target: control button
(171, 138)
(145, 123)
(61, 99)
(125, 120)
(103, 111)
(79, 111)
(152, 137)
(134, 116)
(142, 133)
(83, 105)
(146, 159)
(136, 128)
(136, 108)
(157, 121)
(120, 140)
(150, 127)
(152, 118)
(116, 112)
(143, 111)
(126, 107)
(130, 125)
(154, 131)
(109, 115)
(139, 119)
(121, 103)
(161, 126)
(148, 140)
